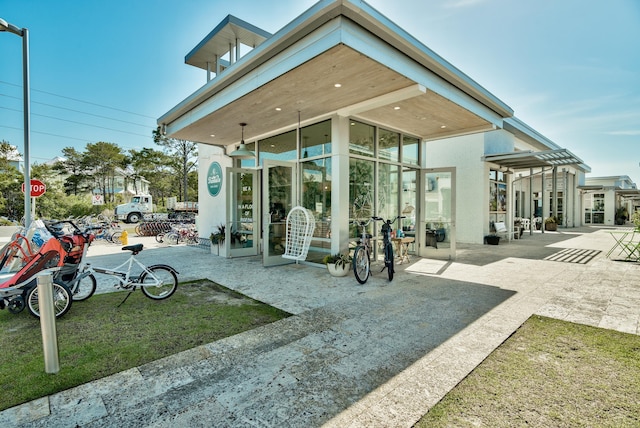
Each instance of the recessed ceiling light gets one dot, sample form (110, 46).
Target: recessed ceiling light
(278, 109)
(443, 126)
(338, 85)
(396, 108)
(212, 135)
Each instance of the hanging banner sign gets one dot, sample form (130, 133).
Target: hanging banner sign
(214, 179)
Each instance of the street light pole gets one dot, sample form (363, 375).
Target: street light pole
(24, 33)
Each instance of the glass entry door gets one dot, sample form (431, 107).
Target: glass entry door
(437, 226)
(241, 231)
(278, 197)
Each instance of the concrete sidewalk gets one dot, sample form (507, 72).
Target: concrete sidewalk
(352, 356)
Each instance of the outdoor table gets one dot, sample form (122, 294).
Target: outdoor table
(402, 248)
(625, 246)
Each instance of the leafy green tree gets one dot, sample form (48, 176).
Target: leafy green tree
(77, 181)
(183, 157)
(101, 160)
(11, 179)
(51, 204)
(152, 165)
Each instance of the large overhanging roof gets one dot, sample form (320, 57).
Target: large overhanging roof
(530, 159)
(386, 77)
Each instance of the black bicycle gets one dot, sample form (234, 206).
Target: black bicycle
(362, 253)
(387, 246)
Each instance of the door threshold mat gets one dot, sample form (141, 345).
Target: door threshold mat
(573, 255)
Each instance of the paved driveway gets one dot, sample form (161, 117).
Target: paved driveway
(374, 355)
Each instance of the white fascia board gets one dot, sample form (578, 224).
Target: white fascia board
(361, 40)
(311, 46)
(283, 39)
(529, 135)
(391, 33)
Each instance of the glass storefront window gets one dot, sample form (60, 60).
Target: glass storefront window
(279, 147)
(388, 177)
(388, 145)
(316, 187)
(361, 139)
(361, 193)
(410, 150)
(316, 196)
(316, 140)
(497, 195)
(409, 200)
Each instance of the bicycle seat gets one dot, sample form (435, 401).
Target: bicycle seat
(133, 248)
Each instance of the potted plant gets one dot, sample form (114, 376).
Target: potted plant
(338, 264)
(550, 224)
(621, 215)
(492, 239)
(217, 238)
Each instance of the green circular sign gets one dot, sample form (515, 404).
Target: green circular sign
(214, 179)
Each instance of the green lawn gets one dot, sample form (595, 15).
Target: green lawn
(549, 373)
(97, 338)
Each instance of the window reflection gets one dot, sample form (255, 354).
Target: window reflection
(279, 147)
(316, 140)
(361, 138)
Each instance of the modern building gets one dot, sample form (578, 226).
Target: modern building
(348, 115)
(609, 200)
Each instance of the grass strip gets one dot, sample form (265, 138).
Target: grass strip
(96, 338)
(549, 373)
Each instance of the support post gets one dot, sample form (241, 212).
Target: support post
(48, 322)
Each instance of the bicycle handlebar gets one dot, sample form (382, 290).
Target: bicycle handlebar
(388, 221)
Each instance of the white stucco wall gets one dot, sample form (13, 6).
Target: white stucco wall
(211, 210)
(472, 197)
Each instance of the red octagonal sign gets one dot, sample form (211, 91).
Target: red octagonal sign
(37, 188)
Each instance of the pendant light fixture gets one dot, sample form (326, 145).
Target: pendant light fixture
(242, 152)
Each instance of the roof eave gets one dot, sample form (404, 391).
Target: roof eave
(318, 15)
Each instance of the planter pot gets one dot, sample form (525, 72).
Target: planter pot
(550, 226)
(492, 239)
(339, 270)
(215, 249)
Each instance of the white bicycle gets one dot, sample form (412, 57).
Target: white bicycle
(157, 282)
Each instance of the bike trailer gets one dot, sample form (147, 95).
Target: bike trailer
(18, 267)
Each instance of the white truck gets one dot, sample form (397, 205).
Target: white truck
(141, 206)
(133, 211)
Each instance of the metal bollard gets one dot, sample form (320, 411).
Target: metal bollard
(48, 322)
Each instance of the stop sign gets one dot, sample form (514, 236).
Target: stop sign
(37, 188)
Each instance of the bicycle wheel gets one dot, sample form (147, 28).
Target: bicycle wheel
(61, 300)
(84, 288)
(162, 282)
(388, 260)
(171, 238)
(361, 264)
(160, 237)
(115, 237)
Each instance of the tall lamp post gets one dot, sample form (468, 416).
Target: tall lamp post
(24, 33)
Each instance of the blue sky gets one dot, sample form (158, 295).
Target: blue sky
(106, 70)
